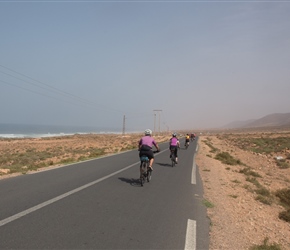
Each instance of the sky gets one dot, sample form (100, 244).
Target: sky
(163, 65)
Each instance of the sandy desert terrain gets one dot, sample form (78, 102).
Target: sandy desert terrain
(243, 208)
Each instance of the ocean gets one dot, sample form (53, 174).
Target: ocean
(38, 131)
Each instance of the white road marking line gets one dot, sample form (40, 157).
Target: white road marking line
(193, 173)
(46, 203)
(190, 239)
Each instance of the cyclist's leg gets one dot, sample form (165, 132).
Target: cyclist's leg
(151, 159)
(150, 156)
(173, 150)
(175, 154)
(151, 163)
(142, 153)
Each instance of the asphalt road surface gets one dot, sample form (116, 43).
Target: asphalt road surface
(99, 204)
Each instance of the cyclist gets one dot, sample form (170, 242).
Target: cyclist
(192, 136)
(145, 148)
(174, 145)
(186, 139)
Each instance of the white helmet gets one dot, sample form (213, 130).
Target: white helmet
(148, 132)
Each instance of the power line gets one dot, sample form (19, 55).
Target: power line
(52, 89)
(36, 92)
(54, 93)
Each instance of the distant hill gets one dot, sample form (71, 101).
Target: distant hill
(272, 120)
(238, 124)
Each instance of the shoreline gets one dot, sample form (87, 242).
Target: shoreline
(47, 135)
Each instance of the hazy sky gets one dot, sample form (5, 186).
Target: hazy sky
(89, 63)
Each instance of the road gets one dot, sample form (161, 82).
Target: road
(99, 204)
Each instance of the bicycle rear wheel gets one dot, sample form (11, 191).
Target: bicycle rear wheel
(149, 173)
(144, 172)
(172, 154)
(172, 161)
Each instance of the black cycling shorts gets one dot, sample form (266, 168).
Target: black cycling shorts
(147, 151)
(174, 148)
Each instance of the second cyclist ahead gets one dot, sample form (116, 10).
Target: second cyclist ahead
(174, 145)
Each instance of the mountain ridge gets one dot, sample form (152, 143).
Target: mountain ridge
(271, 120)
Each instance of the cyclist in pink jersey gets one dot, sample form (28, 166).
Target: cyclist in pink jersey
(145, 147)
(174, 145)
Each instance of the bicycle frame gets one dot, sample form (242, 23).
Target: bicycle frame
(146, 173)
(173, 157)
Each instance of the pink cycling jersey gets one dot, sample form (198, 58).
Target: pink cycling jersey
(173, 141)
(147, 140)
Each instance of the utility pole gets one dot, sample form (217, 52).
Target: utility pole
(124, 119)
(166, 126)
(154, 123)
(157, 110)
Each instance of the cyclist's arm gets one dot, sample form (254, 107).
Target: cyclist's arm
(156, 146)
(139, 144)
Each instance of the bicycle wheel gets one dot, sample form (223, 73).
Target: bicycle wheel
(172, 162)
(172, 157)
(144, 172)
(142, 176)
(149, 173)
(142, 180)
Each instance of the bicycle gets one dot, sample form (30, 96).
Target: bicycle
(146, 171)
(173, 158)
(186, 145)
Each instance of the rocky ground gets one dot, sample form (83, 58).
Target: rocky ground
(238, 219)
